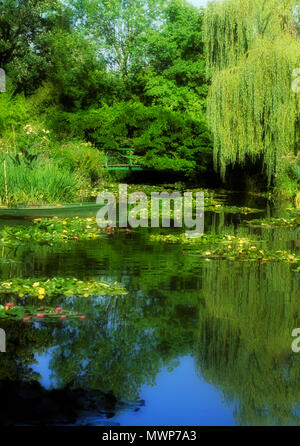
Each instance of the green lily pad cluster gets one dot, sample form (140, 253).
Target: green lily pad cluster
(276, 222)
(53, 230)
(250, 253)
(50, 230)
(211, 198)
(218, 208)
(54, 287)
(228, 247)
(182, 239)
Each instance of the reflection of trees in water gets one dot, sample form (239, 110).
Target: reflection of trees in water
(30, 404)
(122, 350)
(23, 341)
(129, 339)
(77, 399)
(112, 354)
(244, 345)
(246, 315)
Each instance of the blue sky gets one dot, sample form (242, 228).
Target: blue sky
(198, 2)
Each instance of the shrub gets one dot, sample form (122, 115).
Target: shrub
(80, 157)
(164, 139)
(13, 111)
(287, 181)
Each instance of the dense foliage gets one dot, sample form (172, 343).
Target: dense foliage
(252, 49)
(97, 75)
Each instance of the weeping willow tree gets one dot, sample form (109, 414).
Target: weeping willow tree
(252, 48)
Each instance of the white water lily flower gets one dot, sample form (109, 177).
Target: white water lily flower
(6, 284)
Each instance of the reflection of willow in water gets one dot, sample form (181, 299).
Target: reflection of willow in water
(244, 345)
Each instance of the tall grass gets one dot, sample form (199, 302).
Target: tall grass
(38, 181)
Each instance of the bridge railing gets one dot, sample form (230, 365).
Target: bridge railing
(121, 158)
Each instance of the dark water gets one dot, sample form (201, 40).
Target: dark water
(194, 342)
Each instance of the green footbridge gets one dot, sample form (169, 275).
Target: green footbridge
(122, 159)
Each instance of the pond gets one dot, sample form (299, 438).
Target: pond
(195, 341)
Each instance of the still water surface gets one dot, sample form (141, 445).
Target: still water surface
(194, 342)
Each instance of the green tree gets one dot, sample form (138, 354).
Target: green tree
(252, 48)
(155, 98)
(77, 74)
(175, 79)
(119, 27)
(23, 28)
(176, 66)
